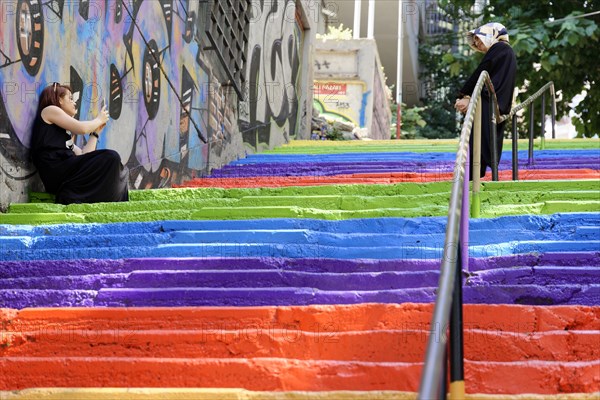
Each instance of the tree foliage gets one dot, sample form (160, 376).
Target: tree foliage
(551, 42)
(412, 121)
(445, 69)
(565, 51)
(336, 33)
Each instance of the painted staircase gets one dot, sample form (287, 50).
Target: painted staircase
(314, 291)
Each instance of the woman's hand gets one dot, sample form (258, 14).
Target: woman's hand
(462, 105)
(102, 118)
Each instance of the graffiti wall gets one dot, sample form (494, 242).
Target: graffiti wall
(173, 116)
(275, 102)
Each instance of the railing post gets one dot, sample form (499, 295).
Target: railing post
(457, 374)
(476, 202)
(515, 149)
(553, 110)
(464, 218)
(531, 125)
(444, 375)
(493, 134)
(543, 140)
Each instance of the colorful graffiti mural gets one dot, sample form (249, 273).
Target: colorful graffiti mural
(148, 59)
(138, 55)
(273, 105)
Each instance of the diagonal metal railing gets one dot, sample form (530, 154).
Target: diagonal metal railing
(447, 312)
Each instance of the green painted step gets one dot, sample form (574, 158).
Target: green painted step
(321, 202)
(407, 189)
(418, 146)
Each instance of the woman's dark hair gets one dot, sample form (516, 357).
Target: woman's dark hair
(52, 94)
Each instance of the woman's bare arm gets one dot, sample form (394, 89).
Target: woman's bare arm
(56, 115)
(91, 145)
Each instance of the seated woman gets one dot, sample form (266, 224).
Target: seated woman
(74, 175)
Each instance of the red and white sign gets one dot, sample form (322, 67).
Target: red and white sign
(331, 88)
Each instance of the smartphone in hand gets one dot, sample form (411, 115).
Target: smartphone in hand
(102, 103)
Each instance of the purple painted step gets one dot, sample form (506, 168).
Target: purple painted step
(180, 297)
(388, 280)
(40, 268)
(538, 276)
(343, 168)
(508, 294)
(528, 295)
(571, 294)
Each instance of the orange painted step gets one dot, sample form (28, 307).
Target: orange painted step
(276, 374)
(317, 318)
(379, 346)
(253, 342)
(381, 178)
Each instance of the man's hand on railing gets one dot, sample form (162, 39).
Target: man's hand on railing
(461, 105)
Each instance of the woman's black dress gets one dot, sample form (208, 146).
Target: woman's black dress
(500, 62)
(94, 177)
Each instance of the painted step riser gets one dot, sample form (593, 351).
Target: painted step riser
(273, 279)
(240, 279)
(289, 342)
(542, 223)
(276, 374)
(47, 268)
(241, 237)
(221, 297)
(302, 250)
(345, 318)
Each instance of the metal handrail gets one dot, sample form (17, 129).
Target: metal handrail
(436, 344)
(455, 253)
(530, 99)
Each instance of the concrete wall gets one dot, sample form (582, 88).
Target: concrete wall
(102, 48)
(349, 85)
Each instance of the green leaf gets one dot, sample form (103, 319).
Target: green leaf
(455, 69)
(539, 35)
(568, 25)
(589, 31)
(546, 65)
(448, 58)
(573, 38)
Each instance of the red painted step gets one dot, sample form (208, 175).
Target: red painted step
(380, 178)
(509, 349)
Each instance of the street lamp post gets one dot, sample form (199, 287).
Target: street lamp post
(356, 31)
(399, 73)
